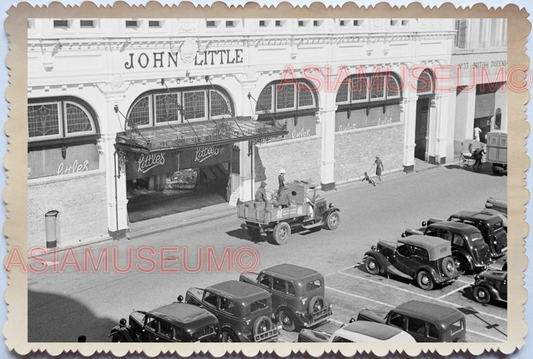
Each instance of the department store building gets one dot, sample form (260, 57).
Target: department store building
(120, 109)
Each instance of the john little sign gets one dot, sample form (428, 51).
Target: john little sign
(169, 59)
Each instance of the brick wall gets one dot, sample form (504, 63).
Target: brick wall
(81, 202)
(300, 158)
(356, 151)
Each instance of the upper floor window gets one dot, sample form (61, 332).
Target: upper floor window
(424, 84)
(172, 107)
(371, 87)
(283, 97)
(58, 119)
(460, 36)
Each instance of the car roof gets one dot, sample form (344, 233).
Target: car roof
(435, 313)
(363, 331)
(478, 215)
(290, 271)
(436, 247)
(463, 227)
(182, 314)
(237, 290)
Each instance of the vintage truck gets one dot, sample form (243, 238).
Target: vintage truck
(307, 211)
(497, 151)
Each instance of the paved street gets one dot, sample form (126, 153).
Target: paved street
(368, 214)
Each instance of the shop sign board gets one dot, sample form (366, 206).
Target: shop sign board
(158, 163)
(359, 119)
(50, 162)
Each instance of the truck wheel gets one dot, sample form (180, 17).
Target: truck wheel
(281, 233)
(286, 320)
(371, 265)
(333, 220)
(253, 233)
(227, 336)
(481, 294)
(424, 280)
(262, 324)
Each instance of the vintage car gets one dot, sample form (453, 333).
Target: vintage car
(499, 205)
(358, 332)
(469, 250)
(490, 226)
(297, 294)
(176, 322)
(426, 322)
(426, 259)
(307, 211)
(244, 311)
(489, 285)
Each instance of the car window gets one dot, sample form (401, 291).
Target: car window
(498, 225)
(165, 329)
(458, 240)
(447, 235)
(179, 335)
(278, 284)
(151, 324)
(290, 288)
(314, 284)
(456, 326)
(416, 326)
(421, 252)
(211, 298)
(341, 340)
(258, 305)
(396, 320)
(227, 305)
(476, 237)
(405, 250)
(264, 280)
(432, 331)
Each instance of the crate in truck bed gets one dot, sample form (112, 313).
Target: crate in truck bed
(262, 212)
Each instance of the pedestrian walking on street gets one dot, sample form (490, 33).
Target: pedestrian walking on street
(281, 180)
(379, 167)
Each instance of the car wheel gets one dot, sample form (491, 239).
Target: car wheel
(262, 324)
(333, 220)
(281, 233)
(460, 264)
(253, 233)
(117, 338)
(371, 265)
(227, 336)
(316, 304)
(286, 321)
(481, 294)
(424, 280)
(448, 267)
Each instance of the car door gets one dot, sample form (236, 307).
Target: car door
(279, 292)
(156, 330)
(418, 329)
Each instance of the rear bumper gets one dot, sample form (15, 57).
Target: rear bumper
(309, 320)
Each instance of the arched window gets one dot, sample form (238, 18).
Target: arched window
(173, 106)
(60, 119)
(282, 97)
(424, 84)
(369, 88)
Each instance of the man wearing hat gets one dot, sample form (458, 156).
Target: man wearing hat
(260, 195)
(281, 180)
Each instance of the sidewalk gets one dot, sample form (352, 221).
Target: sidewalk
(222, 210)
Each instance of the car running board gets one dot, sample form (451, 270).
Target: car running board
(392, 270)
(314, 225)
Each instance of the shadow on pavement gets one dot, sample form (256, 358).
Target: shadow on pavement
(44, 325)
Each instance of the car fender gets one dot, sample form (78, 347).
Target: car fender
(241, 336)
(297, 316)
(488, 285)
(313, 336)
(122, 330)
(380, 258)
(464, 255)
(431, 271)
(327, 213)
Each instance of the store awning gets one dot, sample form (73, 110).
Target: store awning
(198, 134)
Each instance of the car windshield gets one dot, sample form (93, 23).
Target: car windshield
(258, 305)
(476, 237)
(498, 225)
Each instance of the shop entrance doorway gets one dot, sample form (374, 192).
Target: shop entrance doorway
(421, 128)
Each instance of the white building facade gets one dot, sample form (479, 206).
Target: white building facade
(113, 102)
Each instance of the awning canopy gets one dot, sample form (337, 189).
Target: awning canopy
(198, 134)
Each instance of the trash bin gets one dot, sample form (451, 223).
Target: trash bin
(51, 229)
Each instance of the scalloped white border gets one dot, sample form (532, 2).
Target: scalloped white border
(15, 193)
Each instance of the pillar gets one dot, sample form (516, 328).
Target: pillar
(326, 114)
(409, 118)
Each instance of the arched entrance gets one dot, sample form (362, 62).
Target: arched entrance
(423, 106)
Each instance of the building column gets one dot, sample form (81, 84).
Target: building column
(432, 131)
(409, 118)
(442, 122)
(117, 210)
(326, 114)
